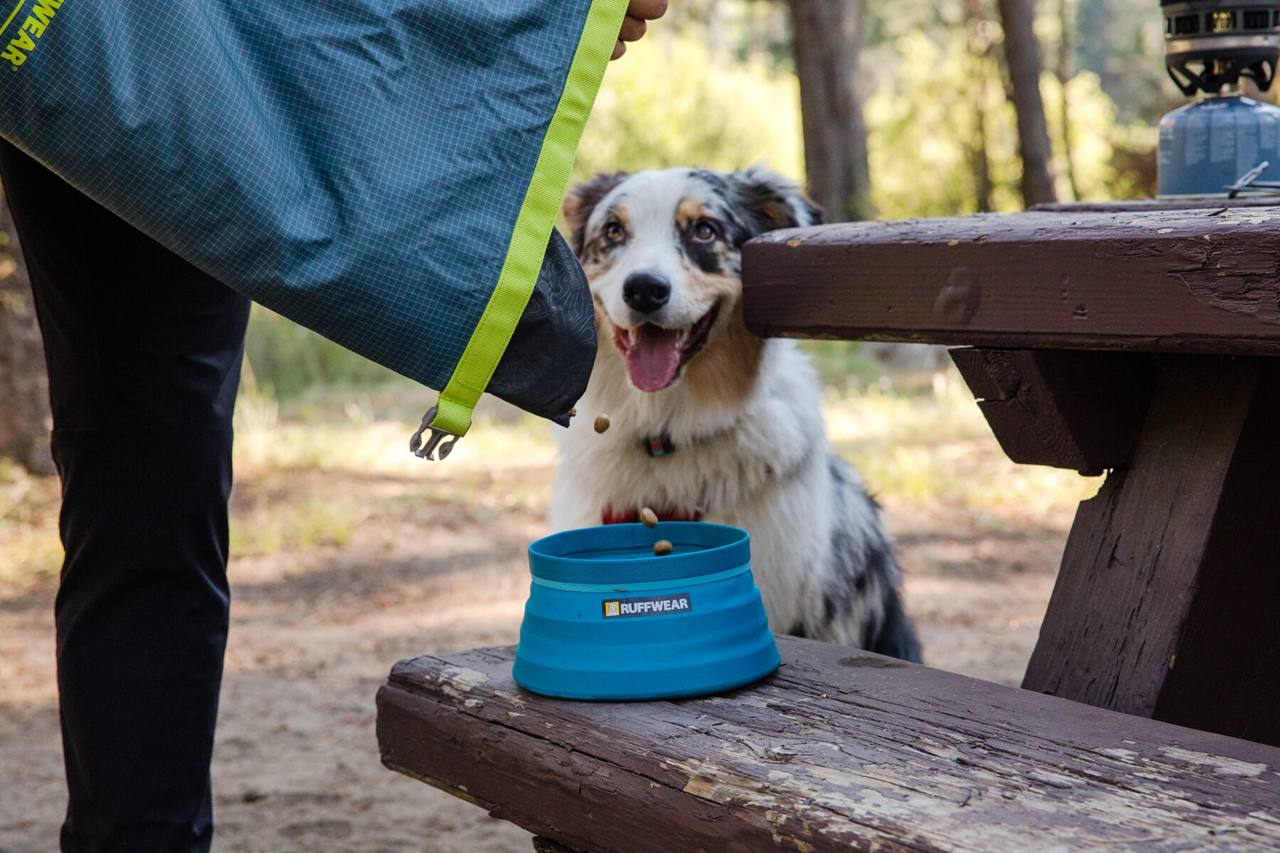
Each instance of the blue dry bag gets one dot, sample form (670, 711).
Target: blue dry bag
(385, 172)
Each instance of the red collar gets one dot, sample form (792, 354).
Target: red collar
(613, 516)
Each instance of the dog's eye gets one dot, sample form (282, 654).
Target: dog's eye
(704, 231)
(613, 231)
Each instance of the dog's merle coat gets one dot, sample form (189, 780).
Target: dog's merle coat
(743, 414)
(873, 572)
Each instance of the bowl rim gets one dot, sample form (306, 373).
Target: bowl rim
(720, 548)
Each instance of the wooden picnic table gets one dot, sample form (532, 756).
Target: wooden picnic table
(1138, 339)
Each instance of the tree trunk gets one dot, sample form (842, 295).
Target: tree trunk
(1065, 36)
(826, 42)
(1022, 53)
(979, 45)
(24, 387)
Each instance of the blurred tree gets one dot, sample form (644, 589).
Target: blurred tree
(1122, 42)
(1022, 54)
(1066, 32)
(826, 42)
(24, 386)
(978, 30)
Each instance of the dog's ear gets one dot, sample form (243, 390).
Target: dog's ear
(582, 200)
(773, 201)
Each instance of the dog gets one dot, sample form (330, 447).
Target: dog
(708, 421)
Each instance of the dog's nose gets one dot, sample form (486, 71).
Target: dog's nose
(645, 292)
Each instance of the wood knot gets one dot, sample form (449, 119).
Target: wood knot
(958, 301)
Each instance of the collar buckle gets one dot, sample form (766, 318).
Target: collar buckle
(659, 445)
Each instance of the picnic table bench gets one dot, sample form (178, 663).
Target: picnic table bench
(840, 750)
(1135, 339)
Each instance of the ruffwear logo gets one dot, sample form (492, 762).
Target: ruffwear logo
(654, 605)
(28, 32)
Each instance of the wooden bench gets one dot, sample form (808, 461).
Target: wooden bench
(840, 750)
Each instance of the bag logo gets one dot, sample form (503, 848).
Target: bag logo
(29, 31)
(654, 605)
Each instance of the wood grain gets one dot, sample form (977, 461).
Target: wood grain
(1082, 411)
(1168, 600)
(1156, 281)
(1149, 204)
(841, 750)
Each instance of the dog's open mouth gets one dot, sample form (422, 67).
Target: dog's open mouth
(655, 355)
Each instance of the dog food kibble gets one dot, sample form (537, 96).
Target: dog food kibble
(662, 548)
(573, 413)
(649, 517)
(602, 423)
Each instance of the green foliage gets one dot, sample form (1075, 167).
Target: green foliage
(925, 125)
(286, 360)
(841, 364)
(670, 102)
(944, 107)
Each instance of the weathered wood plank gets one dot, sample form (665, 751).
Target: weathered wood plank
(840, 750)
(1082, 411)
(1158, 281)
(1168, 601)
(1149, 204)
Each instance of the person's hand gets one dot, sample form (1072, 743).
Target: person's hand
(633, 26)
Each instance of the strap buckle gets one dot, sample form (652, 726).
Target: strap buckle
(428, 449)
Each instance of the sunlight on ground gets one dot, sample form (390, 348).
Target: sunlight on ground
(916, 446)
(936, 446)
(355, 438)
(29, 546)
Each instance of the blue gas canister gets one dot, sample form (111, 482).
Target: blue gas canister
(607, 619)
(1209, 145)
(1224, 143)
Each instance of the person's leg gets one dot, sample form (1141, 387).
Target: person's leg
(144, 357)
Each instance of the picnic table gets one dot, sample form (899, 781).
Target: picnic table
(1137, 340)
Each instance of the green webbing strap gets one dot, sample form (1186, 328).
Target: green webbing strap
(533, 226)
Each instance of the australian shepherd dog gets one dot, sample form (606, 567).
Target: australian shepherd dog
(710, 422)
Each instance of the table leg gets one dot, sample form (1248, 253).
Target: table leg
(1168, 601)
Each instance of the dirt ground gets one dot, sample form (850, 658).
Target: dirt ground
(314, 633)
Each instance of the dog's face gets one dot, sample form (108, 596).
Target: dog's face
(662, 251)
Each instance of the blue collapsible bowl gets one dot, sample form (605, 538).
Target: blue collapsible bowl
(608, 620)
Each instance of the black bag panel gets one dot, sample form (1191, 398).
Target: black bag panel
(548, 363)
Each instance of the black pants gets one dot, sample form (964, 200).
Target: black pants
(144, 357)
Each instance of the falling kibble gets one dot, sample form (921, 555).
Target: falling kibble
(649, 517)
(602, 423)
(662, 548)
(573, 413)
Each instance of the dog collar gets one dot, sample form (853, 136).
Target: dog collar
(658, 445)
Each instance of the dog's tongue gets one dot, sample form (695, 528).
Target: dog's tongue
(654, 358)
